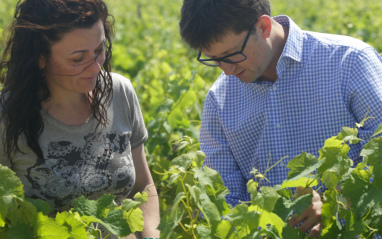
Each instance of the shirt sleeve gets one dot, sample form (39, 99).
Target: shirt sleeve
(364, 91)
(139, 131)
(126, 100)
(219, 155)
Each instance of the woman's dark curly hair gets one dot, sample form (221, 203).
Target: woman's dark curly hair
(36, 26)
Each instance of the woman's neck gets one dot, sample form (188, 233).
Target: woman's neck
(69, 110)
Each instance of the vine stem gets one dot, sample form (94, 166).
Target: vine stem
(187, 206)
(372, 231)
(180, 223)
(343, 205)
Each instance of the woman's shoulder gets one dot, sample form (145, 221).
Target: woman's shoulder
(122, 87)
(120, 81)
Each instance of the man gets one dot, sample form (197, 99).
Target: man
(283, 91)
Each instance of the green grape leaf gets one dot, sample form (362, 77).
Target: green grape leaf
(114, 222)
(271, 232)
(362, 194)
(129, 204)
(333, 147)
(41, 206)
(182, 145)
(225, 230)
(372, 153)
(177, 211)
(300, 182)
(5, 206)
(10, 187)
(105, 211)
(25, 212)
(374, 219)
(97, 208)
(211, 212)
(372, 196)
(203, 232)
(268, 218)
(356, 185)
(295, 233)
(266, 199)
(348, 135)
(200, 156)
(48, 228)
(305, 172)
(284, 207)
(255, 234)
(10, 183)
(252, 186)
(285, 193)
(329, 207)
(134, 219)
(300, 164)
(331, 231)
(377, 131)
(334, 155)
(184, 160)
(19, 230)
(244, 220)
(330, 179)
(195, 193)
(212, 187)
(141, 197)
(168, 224)
(74, 224)
(208, 176)
(352, 227)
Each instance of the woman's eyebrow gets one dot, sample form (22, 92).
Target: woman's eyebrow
(82, 51)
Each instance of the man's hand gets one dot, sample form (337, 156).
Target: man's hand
(312, 215)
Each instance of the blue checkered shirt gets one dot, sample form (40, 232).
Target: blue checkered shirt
(324, 82)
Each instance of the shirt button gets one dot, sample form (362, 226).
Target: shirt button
(282, 164)
(278, 126)
(274, 87)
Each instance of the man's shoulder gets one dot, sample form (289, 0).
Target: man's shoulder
(226, 82)
(337, 41)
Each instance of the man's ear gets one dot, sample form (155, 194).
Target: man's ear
(265, 24)
(42, 62)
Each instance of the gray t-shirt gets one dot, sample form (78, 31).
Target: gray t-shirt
(78, 162)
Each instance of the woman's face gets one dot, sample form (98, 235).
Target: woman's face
(75, 61)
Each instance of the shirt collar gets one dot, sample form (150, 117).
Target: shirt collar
(293, 46)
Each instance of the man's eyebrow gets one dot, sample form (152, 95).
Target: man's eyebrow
(226, 52)
(82, 51)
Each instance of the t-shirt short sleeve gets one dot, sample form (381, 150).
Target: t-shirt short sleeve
(126, 107)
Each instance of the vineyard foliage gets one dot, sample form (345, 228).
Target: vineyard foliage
(171, 86)
(22, 217)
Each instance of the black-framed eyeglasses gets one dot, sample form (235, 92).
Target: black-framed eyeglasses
(232, 58)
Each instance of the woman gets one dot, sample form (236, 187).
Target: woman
(70, 126)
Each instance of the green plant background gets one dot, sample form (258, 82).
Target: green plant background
(171, 85)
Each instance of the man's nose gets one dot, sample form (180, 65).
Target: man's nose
(228, 68)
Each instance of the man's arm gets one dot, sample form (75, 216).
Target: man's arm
(215, 145)
(144, 182)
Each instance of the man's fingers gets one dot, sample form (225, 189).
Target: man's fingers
(297, 219)
(315, 231)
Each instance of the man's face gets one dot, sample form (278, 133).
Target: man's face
(257, 51)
